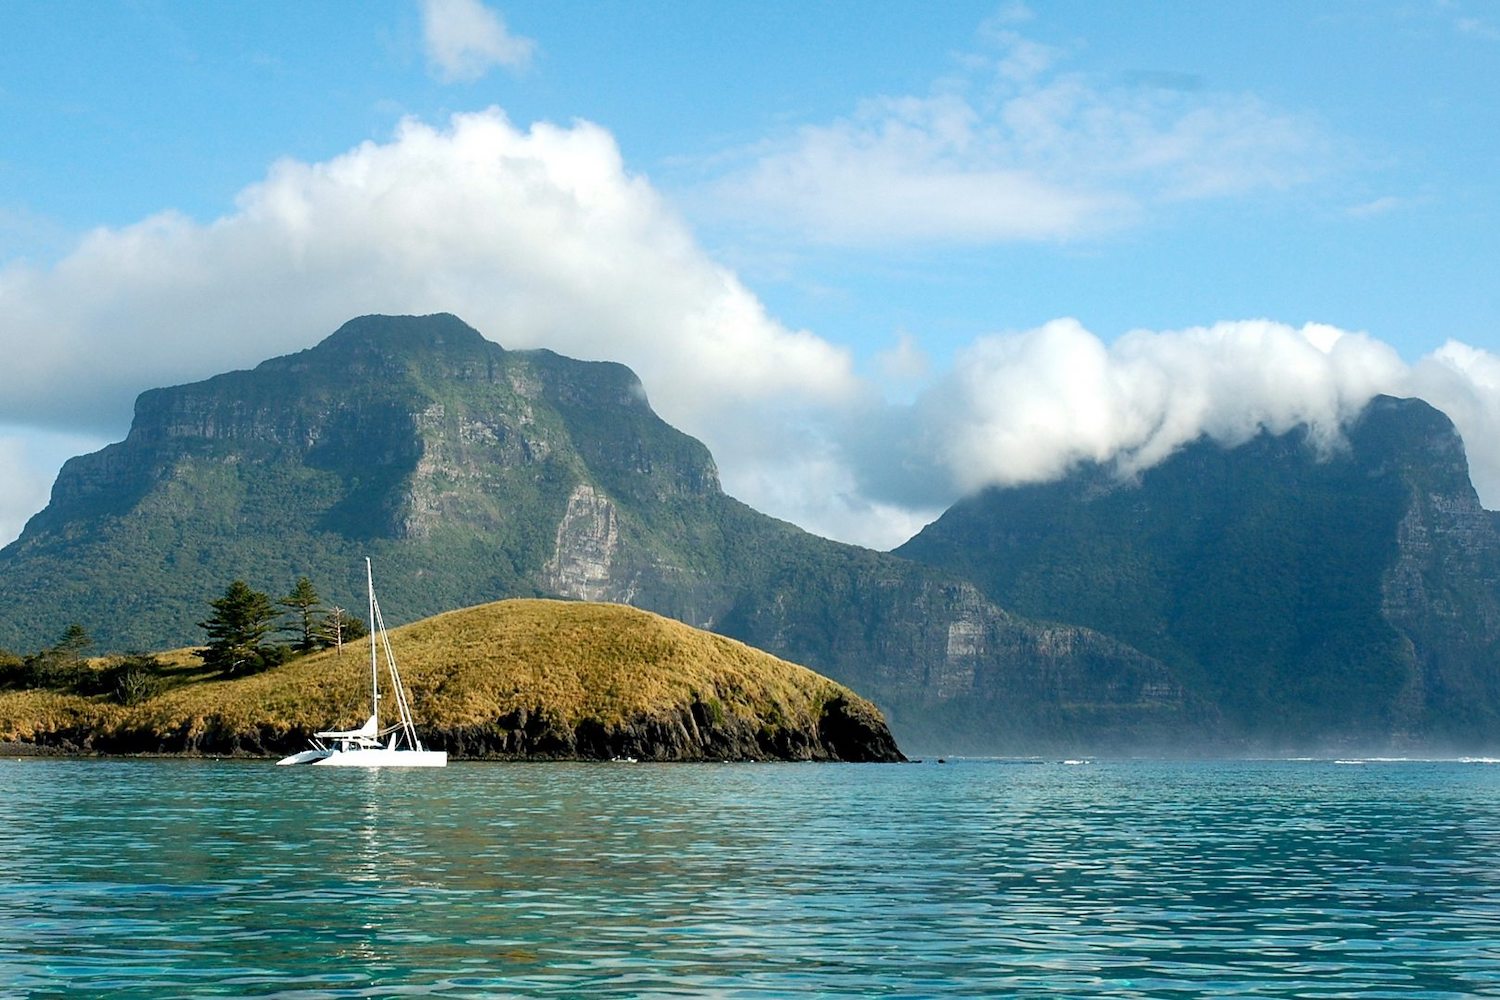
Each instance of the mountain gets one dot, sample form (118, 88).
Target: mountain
(1313, 596)
(470, 473)
(513, 680)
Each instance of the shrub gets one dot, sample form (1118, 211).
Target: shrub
(136, 678)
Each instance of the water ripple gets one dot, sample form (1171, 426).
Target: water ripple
(1119, 879)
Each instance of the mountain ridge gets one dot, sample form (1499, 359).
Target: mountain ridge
(472, 473)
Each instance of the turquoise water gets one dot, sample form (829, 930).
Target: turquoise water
(1118, 879)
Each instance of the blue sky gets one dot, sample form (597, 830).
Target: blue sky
(874, 254)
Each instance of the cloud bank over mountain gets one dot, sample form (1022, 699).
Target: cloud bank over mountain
(539, 238)
(1027, 407)
(542, 238)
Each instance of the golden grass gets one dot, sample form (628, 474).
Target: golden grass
(573, 661)
(31, 716)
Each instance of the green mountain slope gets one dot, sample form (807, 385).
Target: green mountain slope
(1351, 596)
(388, 433)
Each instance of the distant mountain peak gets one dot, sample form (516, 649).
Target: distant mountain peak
(1352, 592)
(437, 332)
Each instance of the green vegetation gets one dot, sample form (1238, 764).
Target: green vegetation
(1263, 574)
(410, 440)
(60, 666)
(1229, 591)
(135, 679)
(304, 604)
(237, 630)
(451, 463)
(125, 680)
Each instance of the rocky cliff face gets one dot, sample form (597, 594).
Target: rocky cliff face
(845, 732)
(471, 473)
(1441, 589)
(583, 557)
(415, 440)
(953, 670)
(1311, 599)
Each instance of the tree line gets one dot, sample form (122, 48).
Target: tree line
(239, 634)
(243, 619)
(128, 679)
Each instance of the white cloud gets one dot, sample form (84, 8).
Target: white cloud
(789, 463)
(537, 238)
(907, 171)
(905, 362)
(1464, 382)
(1017, 150)
(23, 488)
(465, 40)
(1028, 407)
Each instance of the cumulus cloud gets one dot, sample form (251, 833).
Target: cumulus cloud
(793, 463)
(1028, 407)
(541, 237)
(536, 237)
(905, 362)
(1016, 149)
(465, 40)
(23, 490)
(1464, 382)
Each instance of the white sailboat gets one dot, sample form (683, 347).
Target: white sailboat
(369, 745)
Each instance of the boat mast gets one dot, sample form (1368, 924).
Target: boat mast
(374, 657)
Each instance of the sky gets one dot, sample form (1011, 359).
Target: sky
(876, 255)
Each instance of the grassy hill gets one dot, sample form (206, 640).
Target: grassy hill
(519, 679)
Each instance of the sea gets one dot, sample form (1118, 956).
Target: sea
(966, 878)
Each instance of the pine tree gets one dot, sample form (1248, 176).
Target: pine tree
(303, 604)
(236, 630)
(62, 665)
(75, 639)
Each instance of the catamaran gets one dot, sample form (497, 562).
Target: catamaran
(369, 745)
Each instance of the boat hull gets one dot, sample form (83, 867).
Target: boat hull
(305, 757)
(369, 757)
